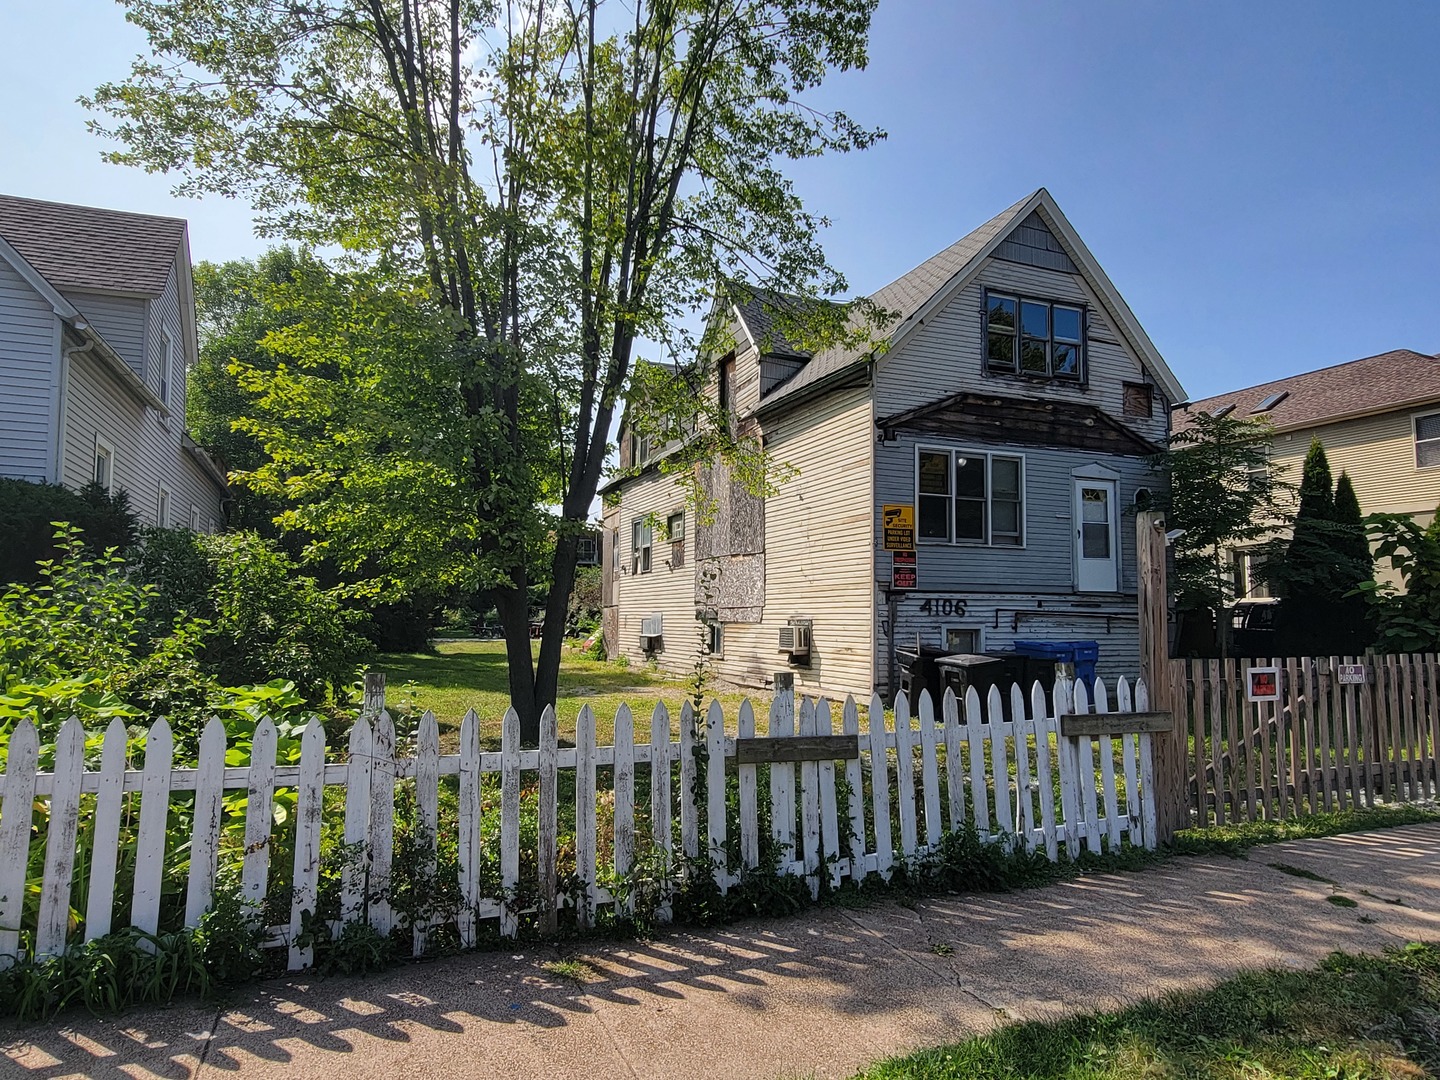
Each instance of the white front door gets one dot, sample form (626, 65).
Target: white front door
(1096, 558)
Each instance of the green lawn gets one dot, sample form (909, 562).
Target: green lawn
(463, 675)
(1352, 1018)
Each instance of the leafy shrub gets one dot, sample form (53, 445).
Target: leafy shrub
(28, 513)
(265, 620)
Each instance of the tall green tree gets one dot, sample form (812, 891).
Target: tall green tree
(1322, 567)
(563, 177)
(1407, 620)
(234, 312)
(1221, 493)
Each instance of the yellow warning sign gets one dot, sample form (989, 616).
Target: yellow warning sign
(898, 523)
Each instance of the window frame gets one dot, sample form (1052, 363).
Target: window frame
(162, 506)
(978, 631)
(1125, 390)
(104, 446)
(167, 366)
(642, 559)
(1415, 419)
(593, 559)
(715, 639)
(989, 456)
(676, 538)
(195, 523)
(1017, 335)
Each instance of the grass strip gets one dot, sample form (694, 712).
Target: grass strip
(1355, 1017)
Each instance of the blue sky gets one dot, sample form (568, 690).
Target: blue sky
(1260, 179)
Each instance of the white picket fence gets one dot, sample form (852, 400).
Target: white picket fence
(1001, 775)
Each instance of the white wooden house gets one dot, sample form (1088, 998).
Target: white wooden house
(97, 331)
(1015, 407)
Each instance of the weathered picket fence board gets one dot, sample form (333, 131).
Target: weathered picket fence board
(946, 765)
(1324, 746)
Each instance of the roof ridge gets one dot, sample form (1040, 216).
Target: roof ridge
(948, 248)
(1301, 375)
(95, 209)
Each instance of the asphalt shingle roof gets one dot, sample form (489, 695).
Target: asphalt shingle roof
(89, 248)
(904, 297)
(1389, 380)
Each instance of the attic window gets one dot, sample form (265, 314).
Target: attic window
(1139, 399)
(1034, 338)
(1271, 401)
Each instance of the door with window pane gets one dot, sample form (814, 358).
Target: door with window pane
(1096, 558)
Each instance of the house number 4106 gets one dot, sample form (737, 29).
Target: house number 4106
(946, 606)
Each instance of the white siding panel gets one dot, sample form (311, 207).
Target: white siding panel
(818, 562)
(120, 321)
(664, 590)
(28, 348)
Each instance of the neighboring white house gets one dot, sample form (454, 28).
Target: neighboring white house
(97, 332)
(1012, 418)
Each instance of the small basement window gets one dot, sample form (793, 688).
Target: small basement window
(1427, 441)
(959, 639)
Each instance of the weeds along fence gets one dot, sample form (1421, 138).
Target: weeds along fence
(1324, 745)
(425, 848)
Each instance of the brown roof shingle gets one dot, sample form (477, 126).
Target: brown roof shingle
(86, 247)
(904, 296)
(1389, 380)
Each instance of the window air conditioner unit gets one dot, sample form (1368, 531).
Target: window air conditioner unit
(795, 638)
(652, 629)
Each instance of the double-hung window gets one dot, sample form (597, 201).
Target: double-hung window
(1035, 338)
(675, 530)
(1427, 441)
(970, 497)
(640, 541)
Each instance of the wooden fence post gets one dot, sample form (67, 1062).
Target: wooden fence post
(373, 703)
(1171, 781)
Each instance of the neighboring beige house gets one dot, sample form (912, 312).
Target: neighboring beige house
(1378, 418)
(1015, 408)
(97, 332)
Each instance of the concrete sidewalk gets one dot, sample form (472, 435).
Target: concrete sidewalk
(819, 994)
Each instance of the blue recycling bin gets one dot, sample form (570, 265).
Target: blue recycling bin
(1082, 654)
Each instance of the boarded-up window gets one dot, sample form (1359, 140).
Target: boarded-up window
(1139, 399)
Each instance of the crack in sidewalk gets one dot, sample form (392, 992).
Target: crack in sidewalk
(949, 974)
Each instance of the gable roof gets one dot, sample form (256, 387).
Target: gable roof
(88, 248)
(1380, 383)
(932, 284)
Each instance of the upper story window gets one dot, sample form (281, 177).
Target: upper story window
(587, 551)
(1036, 338)
(675, 530)
(1139, 399)
(1427, 440)
(104, 464)
(167, 365)
(970, 497)
(162, 507)
(640, 542)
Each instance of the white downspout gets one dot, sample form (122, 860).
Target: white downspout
(64, 409)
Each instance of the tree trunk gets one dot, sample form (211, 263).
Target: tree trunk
(513, 606)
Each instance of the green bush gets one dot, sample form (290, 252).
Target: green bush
(265, 620)
(28, 513)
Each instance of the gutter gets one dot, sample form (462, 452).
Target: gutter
(117, 367)
(205, 461)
